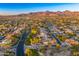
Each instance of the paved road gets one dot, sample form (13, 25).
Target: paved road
(20, 47)
(53, 35)
(2, 37)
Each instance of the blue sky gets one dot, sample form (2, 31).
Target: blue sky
(17, 8)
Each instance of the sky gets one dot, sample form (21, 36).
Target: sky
(18, 8)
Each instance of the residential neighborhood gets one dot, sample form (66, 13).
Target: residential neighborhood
(40, 34)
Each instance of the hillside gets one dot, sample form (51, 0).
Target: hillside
(50, 33)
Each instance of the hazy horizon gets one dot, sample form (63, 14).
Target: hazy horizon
(18, 8)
